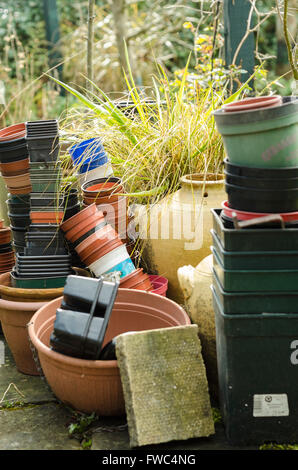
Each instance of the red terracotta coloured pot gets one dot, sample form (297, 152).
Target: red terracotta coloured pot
(13, 132)
(84, 226)
(99, 252)
(97, 239)
(15, 166)
(102, 187)
(160, 284)
(12, 173)
(17, 181)
(5, 235)
(101, 199)
(21, 190)
(95, 386)
(46, 217)
(136, 280)
(252, 103)
(79, 217)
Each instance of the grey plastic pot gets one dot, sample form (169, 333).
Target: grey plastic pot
(263, 138)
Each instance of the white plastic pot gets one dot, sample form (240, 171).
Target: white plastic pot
(102, 171)
(117, 259)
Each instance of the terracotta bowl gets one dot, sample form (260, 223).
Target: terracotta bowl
(252, 103)
(102, 186)
(95, 386)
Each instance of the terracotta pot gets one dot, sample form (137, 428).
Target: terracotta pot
(12, 132)
(5, 235)
(14, 317)
(21, 190)
(17, 181)
(187, 218)
(159, 283)
(95, 386)
(101, 199)
(102, 187)
(46, 217)
(15, 166)
(137, 280)
(84, 226)
(252, 103)
(98, 252)
(7, 292)
(97, 239)
(79, 217)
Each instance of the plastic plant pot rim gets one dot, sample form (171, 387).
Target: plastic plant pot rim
(100, 164)
(84, 226)
(271, 114)
(86, 212)
(16, 164)
(245, 215)
(111, 259)
(100, 234)
(277, 193)
(12, 130)
(254, 103)
(101, 251)
(98, 181)
(87, 363)
(274, 172)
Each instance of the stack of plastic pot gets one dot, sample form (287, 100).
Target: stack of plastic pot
(90, 160)
(14, 166)
(45, 261)
(255, 271)
(100, 247)
(7, 256)
(82, 319)
(48, 203)
(109, 196)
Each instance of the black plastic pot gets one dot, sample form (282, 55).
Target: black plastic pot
(261, 173)
(5, 248)
(19, 220)
(261, 183)
(258, 200)
(22, 259)
(18, 235)
(18, 209)
(45, 245)
(14, 151)
(52, 228)
(18, 248)
(43, 150)
(81, 334)
(108, 353)
(87, 234)
(71, 210)
(22, 199)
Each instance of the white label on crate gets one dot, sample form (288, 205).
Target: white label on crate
(270, 405)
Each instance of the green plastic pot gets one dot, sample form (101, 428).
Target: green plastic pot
(264, 138)
(37, 283)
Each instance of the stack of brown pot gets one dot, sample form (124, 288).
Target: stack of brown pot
(14, 159)
(109, 195)
(7, 256)
(100, 247)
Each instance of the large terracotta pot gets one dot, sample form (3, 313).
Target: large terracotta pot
(95, 386)
(196, 283)
(176, 231)
(17, 306)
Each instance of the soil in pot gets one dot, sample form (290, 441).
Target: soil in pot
(95, 386)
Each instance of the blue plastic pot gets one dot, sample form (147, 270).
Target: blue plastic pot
(94, 164)
(87, 151)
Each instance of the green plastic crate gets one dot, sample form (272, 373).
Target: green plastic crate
(257, 357)
(255, 260)
(253, 280)
(256, 240)
(255, 302)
